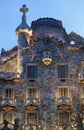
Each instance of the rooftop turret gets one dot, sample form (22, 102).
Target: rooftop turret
(23, 27)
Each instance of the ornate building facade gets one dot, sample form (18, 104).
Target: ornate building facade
(42, 79)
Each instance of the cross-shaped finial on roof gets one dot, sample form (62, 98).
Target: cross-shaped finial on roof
(23, 27)
(24, 9)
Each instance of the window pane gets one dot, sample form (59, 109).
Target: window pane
(83, 91)
(8, 116)
(32, 118)
(0, 116)
(63, 92)
(8, 93)
(62, 71)
(83, 71)
(31, 71)
(32, 92)
(63, 118)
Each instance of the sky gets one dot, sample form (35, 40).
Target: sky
(70, 12)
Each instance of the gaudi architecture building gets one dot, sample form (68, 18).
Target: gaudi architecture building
(42, 78)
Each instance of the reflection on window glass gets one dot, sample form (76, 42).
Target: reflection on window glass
(63, 92)
(32, 118)
(62, 71)
(64, 118)
(8, 116)
(31, 71)
(31, 92)
(8, 93)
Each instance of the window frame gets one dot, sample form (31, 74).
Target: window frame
(66, 71)
(5, 93)
(28, 93)
(28, 73)
(63, 91)
(10, 112)
(82, 92)
(1, 116)
(82, 71)
(64, 118)
(32, 112)
(58, 91)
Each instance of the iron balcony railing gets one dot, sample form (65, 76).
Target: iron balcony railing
(82, 101)
(64, 127)
(82, 104)
(7, 102)
(32, 103)
(64, 100)
(64, 103)
(81, 77)
(30, 126)
(8, 126)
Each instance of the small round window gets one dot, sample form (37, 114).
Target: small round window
(72, 42)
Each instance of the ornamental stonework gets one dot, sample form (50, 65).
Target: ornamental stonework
(42, 78)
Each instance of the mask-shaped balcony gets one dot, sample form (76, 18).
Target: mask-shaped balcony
(47, 57)
(31, 103)
(82, 103)
(65, 127)
(7, 104)
(81, 77)
(64, 103)
(29, 126)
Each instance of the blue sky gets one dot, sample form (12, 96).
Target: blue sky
(70, 12)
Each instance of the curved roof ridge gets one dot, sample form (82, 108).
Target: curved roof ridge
(52, 21)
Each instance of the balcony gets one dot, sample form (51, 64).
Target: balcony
(64, 103)
(30, 127)
(81, 78)
(5, 125)
(7, 104)
(82, 103)
(64, 127)
(31, 103)
(47, 57)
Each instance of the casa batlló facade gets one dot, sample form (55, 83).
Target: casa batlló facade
(42, 79)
